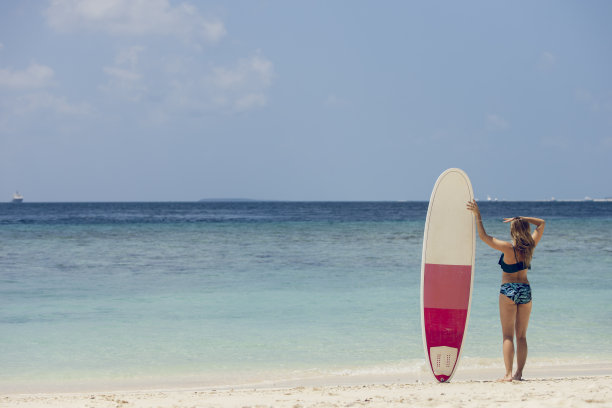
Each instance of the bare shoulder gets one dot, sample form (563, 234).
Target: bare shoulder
(500, 245)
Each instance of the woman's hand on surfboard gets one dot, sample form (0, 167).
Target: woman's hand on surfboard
(473, 207)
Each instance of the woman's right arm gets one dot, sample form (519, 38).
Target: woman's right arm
(486, 238)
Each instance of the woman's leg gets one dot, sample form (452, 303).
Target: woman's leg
(522, 321)
(507, 316)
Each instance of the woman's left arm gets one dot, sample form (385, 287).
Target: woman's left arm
(539, 231)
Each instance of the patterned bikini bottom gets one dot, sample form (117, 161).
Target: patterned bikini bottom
(519, 293)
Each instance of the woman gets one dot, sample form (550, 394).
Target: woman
(515, 293)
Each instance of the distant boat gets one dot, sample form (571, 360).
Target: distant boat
(17, 198)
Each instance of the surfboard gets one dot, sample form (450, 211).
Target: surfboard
(447, 272)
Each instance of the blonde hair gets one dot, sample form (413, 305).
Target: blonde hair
(523, 241)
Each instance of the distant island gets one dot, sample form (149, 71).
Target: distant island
(228, 200)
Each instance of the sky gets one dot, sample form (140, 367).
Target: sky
(160, 100)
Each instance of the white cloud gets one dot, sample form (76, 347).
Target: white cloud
(546, 61)
(249, 101)
(29, 93)
(129, 56)
(38, 101)
(124, 78)
(595, 102)
(122, 75)
(195, 90)
(496, 123)
(176, 83)
(135, 17)
(334, 101)
(184, 86)
(242, 86)
(35, 76)
(255, 72)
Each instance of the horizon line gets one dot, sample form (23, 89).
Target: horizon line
(256, 200)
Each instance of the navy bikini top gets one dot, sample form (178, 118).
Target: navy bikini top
(513, 268)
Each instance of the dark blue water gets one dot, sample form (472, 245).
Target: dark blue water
(203, 212)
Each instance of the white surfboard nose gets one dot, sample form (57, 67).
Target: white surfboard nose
(443, 359)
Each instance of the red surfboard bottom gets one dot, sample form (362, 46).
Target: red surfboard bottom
(444, 327)
(446, 298)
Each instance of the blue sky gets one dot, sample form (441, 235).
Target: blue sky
(157, 100)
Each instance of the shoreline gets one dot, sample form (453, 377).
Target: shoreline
(474, 373)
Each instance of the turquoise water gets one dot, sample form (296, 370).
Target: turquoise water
(266, 290)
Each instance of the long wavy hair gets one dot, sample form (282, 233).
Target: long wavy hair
(523, 241)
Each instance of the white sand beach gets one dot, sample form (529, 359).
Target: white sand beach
(592, 390)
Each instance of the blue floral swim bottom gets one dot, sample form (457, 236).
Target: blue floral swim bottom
(519, 293)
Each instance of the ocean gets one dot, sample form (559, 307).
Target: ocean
(231, 292)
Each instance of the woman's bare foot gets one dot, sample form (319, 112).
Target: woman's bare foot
(507, 378)
(518, 376)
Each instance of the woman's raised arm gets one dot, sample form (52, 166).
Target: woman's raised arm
(486, 238)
